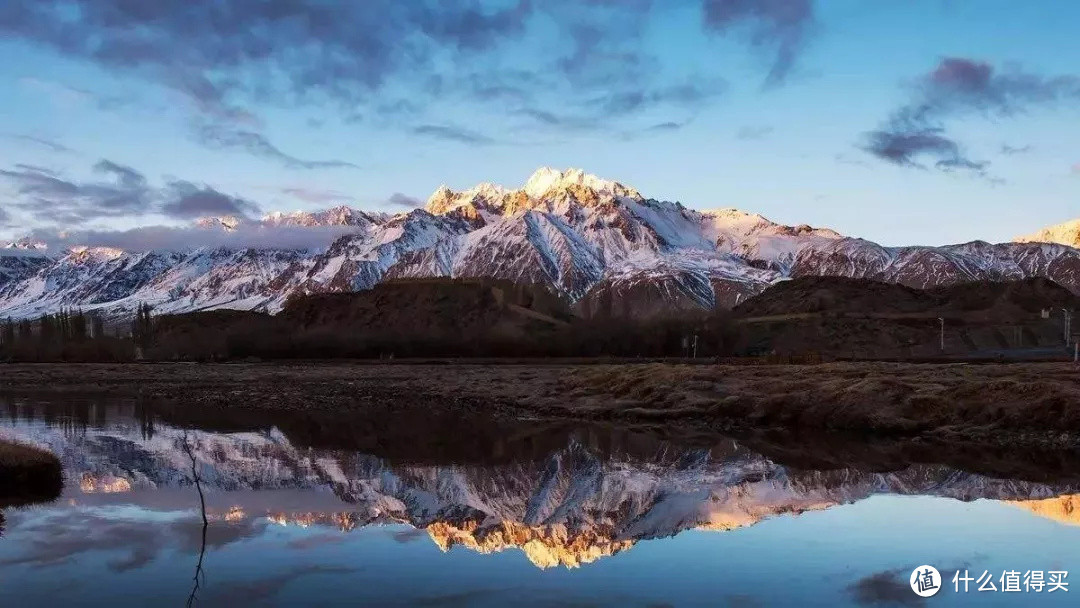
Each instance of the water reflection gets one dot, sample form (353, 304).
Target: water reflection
(149, 488)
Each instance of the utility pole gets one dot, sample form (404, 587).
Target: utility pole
(695, 346)
(942, 333)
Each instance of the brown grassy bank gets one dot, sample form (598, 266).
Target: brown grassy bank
(28, 475)
(1031, 403)
(1007, 400)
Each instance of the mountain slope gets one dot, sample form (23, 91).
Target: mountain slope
(597, 242)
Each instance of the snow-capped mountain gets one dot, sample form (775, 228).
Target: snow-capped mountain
(1066, 233)
(569, 507)
(599, 243)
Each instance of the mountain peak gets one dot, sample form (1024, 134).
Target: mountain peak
(1065, 233)
(544, 185)
(546, 179)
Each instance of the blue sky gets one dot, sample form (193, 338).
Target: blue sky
(905, 122)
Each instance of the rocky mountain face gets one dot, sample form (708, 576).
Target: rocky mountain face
(596, 242)
(1067, 233)
(572, 506)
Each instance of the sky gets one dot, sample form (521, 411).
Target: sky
(906, 122)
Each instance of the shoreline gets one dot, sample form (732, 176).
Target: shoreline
(998, 404)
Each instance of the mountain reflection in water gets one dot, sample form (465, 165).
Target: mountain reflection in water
(563, 496)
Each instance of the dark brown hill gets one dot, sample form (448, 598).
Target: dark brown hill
(432, 306)
(999, 300)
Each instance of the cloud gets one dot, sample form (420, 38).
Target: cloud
(5, 218)
(903, 147)
(172, 238)
(454, 134)
(230, 56)
(51, 145)
(50, 197)
(261, 590)
(315, 541)
(959, 87)
(47, 196)
(1014, 150)
(65, 96)
(313, 195)
(310, 47)
(689, 94)
(750, 132)
(222, 137)
(398, 199)
(782, 25)
(666, 126)
(885, 587)
(408, 535)
(189, 201)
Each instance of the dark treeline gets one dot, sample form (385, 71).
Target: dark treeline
(230, 335)
(69, 335)
(398, 319)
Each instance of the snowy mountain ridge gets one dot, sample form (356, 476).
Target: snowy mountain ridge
(597, 242)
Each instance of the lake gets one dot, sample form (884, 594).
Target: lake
(405, 508)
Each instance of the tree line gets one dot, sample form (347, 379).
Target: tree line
(74, 335)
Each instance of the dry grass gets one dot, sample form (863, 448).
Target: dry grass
(28, 474)
(879, 397)
(997, 403)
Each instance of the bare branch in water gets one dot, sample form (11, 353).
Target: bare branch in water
(199, 575)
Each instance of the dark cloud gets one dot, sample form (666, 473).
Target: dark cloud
(455, 134)
(189, 201)
(959, 87)
(903, 147)
(50, 197)
(229, 56)
(223, 137)
(337, 50)
(408, 535)
(398, 199)
(47, 196)
(783, 25)
(40, 141)
(885, 587)
(750, 132)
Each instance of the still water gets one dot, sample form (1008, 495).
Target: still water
(399, 508)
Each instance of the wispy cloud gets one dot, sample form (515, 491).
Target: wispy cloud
(398, 199)
(753, 132)
(455, 134)
(230, 57)
(225, 137)
(314, 195)
(782, 26)
(1014, 150)
(122, 192)
(49, 144)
